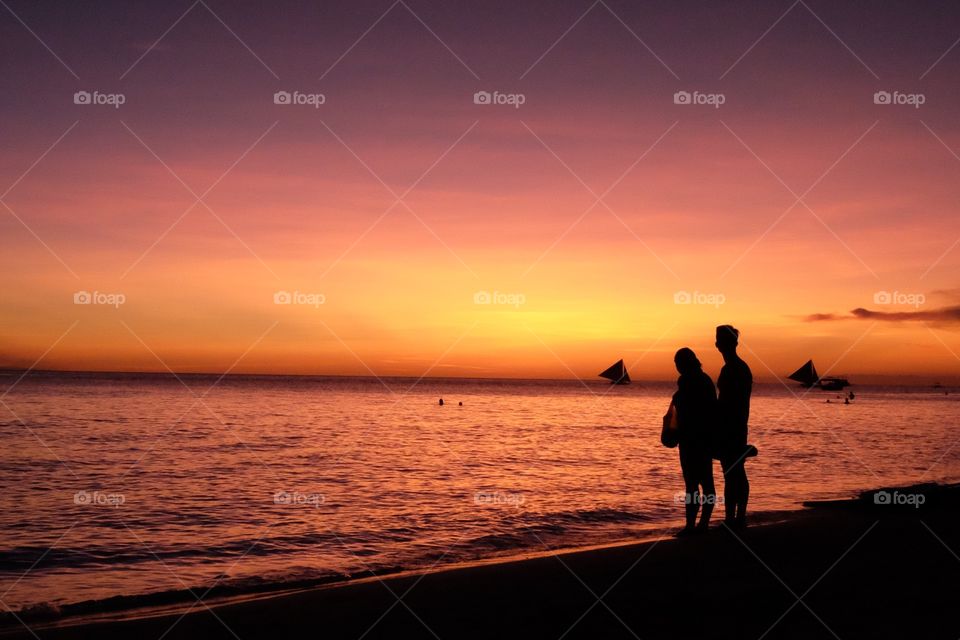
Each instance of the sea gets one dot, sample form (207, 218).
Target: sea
(129, 490)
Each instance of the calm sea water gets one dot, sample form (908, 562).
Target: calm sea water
(129, 485)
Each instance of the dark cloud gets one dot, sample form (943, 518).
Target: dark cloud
(949, 315)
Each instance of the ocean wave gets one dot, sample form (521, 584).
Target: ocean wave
(515, 531)
(606, 514)
(525, 531)
(18, 559)
(518, 533)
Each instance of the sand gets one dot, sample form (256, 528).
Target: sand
(851, 569)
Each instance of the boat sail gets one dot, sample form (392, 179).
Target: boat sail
(805, 375)
(616, 373)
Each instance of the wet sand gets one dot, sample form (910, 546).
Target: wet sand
(850, 569)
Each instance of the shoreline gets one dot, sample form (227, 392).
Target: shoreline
(131, 607)
(183, 603)
(175, 602)
(126, 607)
(478, 580)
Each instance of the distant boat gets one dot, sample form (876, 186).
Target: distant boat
(833, 383)
(616, 373)
(807, 376)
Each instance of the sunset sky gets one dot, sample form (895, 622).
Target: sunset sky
(584, 212)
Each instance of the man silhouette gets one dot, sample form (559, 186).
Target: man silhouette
(733, 411)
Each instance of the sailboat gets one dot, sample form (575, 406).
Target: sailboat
(807, 376)
(616, 373)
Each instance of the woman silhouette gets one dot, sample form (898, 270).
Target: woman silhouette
(695, 406)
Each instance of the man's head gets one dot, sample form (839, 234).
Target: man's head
(727, 338)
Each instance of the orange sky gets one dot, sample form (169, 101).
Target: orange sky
(502, 196)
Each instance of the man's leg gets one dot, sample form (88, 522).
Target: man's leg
(744, 496)
(729, 491)
(736, 492)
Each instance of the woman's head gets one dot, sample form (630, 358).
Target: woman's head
(686, 361)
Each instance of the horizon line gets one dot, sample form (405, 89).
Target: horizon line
(24, 372)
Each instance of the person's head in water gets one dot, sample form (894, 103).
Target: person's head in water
(686, 361)
(727, 338)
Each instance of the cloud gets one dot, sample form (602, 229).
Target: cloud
(951, 294)
(949, 315)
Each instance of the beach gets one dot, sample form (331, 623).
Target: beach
(864, 568)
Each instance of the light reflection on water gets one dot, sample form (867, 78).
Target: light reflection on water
(131, 485)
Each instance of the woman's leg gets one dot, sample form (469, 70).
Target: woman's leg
(692, 494)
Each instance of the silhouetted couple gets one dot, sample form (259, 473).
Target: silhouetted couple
(708, 425)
